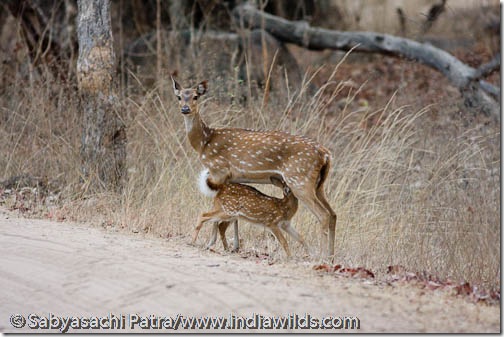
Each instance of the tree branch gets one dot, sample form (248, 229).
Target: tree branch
(490, 89)
(459, 74)
(488, 68)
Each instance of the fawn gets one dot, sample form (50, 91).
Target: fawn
(234, 155)
(221, 226)
(237, 201)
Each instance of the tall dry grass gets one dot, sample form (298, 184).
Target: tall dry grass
(404, 194)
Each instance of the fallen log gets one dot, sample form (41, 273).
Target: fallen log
(465, 78)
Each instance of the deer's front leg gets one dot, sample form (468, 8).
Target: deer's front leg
(236, 242)
(213, 238)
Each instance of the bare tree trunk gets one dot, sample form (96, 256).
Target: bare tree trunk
(103, 144)
(159, 58)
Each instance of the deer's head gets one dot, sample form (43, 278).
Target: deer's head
(188, 98)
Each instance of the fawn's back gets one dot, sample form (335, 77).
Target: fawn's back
(244, 201)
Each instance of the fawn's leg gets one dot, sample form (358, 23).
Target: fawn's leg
(286, 226)
(222, 230)
(214, 215)
(276, 231)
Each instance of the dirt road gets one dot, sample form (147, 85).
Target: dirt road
(52, 270)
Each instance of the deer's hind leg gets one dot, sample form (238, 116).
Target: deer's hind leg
(318, 205)
(331, 221)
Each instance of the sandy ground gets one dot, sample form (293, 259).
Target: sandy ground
(65, 269)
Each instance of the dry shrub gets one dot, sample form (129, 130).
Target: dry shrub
(405, 198)
(39, 128)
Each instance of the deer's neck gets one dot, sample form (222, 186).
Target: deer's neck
(198, 132)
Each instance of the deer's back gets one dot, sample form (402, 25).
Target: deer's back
(247, 153)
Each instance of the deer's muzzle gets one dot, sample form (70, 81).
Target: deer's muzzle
(185, 109)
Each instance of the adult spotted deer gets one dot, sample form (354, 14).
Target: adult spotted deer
(234, 155)
(239, 201)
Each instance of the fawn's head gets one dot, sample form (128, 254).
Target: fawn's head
(278, 182)
(289, 201)
(188, 98)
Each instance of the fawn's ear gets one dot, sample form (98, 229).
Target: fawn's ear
(277, 181)
(201, 88)
(176, 87)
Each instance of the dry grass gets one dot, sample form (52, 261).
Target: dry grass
(405, 192)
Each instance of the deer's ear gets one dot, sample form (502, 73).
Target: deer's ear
(202, 88)
(176, 87)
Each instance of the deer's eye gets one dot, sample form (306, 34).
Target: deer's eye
(195, 98)
(179, 98)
